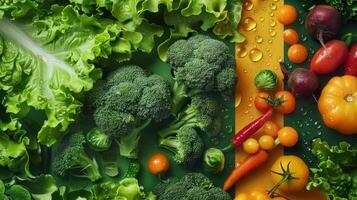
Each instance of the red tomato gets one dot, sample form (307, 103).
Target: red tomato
(327, 59)
(351, 62)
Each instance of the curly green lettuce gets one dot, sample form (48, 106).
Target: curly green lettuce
(336, 171)
(18, 8)
(348, 8)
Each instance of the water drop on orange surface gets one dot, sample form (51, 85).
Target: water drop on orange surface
(238, 99)
(272, 22)
(270, 41)
(248, 5)
(255, 55)
(249, 24)
(241, 51)
(272, 32)
(273, 6)
(272, 14)
(258, 39)
(261, 19)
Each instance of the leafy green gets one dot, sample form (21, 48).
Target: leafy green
(18, 8)
(348, 8)
(335, 173)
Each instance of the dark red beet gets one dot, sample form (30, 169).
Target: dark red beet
(323, 22)
(303, 82)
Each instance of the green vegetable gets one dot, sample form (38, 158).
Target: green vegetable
(201, 64)
(133, 170)
(266, 80)
(348, 8)
(98, 140)
(186, 145)
(71, 159)
(190, 186)
(335, 173)
(201, 113)
(132, 100)
(111, 169)
(127, 189)
(213, 160)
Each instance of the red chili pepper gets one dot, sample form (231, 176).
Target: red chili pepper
(251, 128)
(351, 61)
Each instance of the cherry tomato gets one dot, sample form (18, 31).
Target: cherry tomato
(259, 194)
(288, 136)
(243, 196)
(285, 102)
(266, 142)
(286, 14)
(291, 36)
(158, 163)
(251, 146)
(297, 53)
(327, 59)
(261, 101)
(271, 128)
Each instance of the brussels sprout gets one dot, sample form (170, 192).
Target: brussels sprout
(98, 140)
(213, 160)
(266, 80)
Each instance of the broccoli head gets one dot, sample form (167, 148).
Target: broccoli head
(195, 179)
(130, 101)
(197, 193)
(200, 64)
(71, 159)
(201, 113)
(186, 145)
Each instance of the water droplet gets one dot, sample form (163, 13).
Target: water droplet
(272, 22)
(303, 37)
(261, 19)
(301, 109)
(250, 98)
(255, 55)
(270, 41)
(250, 105)
(238, 99)
(301, 20)
(246, 112)
(289, 66)
(241, 51)
(258, 39)
(248, 5)
(276, 0)
(251, 117)
(272, 14)
(269, 55)
(273, 6)
(268, 64)
(245, 70)
(280, 59)
(249, 24)
(255, 30)
(272, 32)
(319, 133)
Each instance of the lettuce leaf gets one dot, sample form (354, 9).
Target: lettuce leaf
(18, 8)
(336, 172)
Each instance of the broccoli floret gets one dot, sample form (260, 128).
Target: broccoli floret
(173, 191)
(161, 187)
(95, 97)
(197, 193)
(199, 66)
(133, 170)
(132, 100)
(71, 159)
(201, 113)
(196, 179)
(186, 145)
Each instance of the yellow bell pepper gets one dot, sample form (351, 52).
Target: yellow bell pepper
(338, 104)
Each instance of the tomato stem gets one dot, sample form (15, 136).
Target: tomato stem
(287, 176)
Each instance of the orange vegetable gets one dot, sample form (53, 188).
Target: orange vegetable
(291, 36)
(286, 14)
(297, 53)
(251, 163)
(284, 102)
(251, 146)
(338, 104)
(266, 142)
(271, 128)
(288, 136)
(158, 163)
(262, 100)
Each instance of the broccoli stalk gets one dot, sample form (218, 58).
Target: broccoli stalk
(128, 145)
(186, 145)
(72, 159)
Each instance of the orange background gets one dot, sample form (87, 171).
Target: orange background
(272, 48)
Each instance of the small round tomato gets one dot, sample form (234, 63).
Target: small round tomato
(288, 136)
(243, 196)
(158, 163)
(259, 194)
(294, 170)
(251, 146)
(271, 128)
(284, 102)
(262, 101)
(286, 14)
(291, 36)
(266, 142)
(297, 53)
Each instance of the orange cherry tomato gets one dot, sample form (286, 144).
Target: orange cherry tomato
(266, 142)
(243, 196)
(291, 36)
(158, 163)
(251, 146)
(286, 14)
(297, 53)
(261, 101)
(271, 128)
(288, 136)
(285, 102)
(259, 194)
